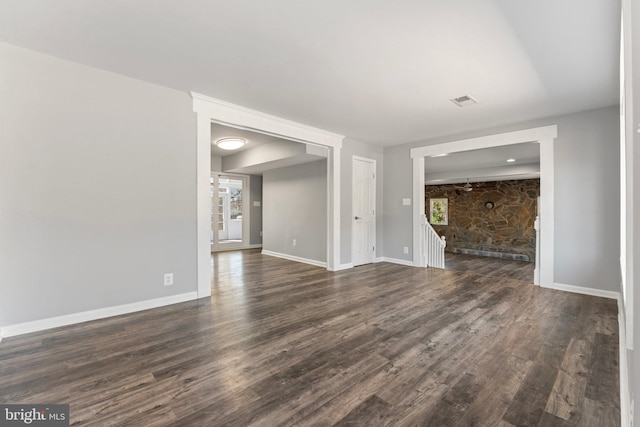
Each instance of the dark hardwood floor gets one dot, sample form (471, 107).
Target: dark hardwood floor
(282, 343)
(488, 266)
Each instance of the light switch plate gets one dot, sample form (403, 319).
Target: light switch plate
(406, 202)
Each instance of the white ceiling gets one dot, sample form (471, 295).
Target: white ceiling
(526, 153)
(488, 164)
(254, 140)
(376, 71)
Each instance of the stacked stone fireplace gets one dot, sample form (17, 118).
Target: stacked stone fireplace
(495, 219)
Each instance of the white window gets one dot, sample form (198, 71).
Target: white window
(439, 211)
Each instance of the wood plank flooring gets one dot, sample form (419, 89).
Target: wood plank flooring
(488, 266)
(282, 343)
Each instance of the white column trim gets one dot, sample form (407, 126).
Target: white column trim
(203, 203)
(333, 209)
(418, 210)
(546, 218)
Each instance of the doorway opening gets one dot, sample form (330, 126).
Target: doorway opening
(544, 136)
(210, 110)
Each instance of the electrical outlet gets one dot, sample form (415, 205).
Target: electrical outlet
(294, 242)
(168, 279)
(406, 250)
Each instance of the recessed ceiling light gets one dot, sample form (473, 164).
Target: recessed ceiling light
(440, 155)
(231, 143)
(464, 100)
(511, 160)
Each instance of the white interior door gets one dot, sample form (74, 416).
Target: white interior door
(364, 212)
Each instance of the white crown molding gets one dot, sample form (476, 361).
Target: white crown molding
(100, 313)
(295, 258)
(237, 116)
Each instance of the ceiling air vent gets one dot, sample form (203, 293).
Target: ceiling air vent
(463, 101)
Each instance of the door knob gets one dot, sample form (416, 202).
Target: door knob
(357, 217)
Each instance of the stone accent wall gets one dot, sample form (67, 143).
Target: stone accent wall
(507, 228)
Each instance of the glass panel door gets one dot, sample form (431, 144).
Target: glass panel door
(228, 207)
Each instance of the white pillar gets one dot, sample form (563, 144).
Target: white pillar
(333, 209)
(546, 219)
(418, 210)
(203, 189)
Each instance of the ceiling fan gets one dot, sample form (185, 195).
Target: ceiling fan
(467, 187)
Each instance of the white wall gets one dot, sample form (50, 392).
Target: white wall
(295, 207)
(586, 196)
(352, 148)
(97, 188)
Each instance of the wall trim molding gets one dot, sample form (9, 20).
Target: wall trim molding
(238, 248)
(584, 291)
(346, 266)
(100, 313)
(408, 263)
(295, 258)
(625, 398)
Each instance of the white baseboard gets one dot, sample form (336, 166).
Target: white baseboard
(584, 291)
(379, 259)
(256, 246)
(345, 266)
(625, 399)
(396, 261)
(295, 258)
(100, 313)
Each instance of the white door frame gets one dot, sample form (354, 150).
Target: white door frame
(373, 198)
(542, 135)
(210, 110)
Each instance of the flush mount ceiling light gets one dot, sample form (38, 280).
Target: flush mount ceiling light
(440, 155)
(464, 100)
(511, 160)
(231, 143)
